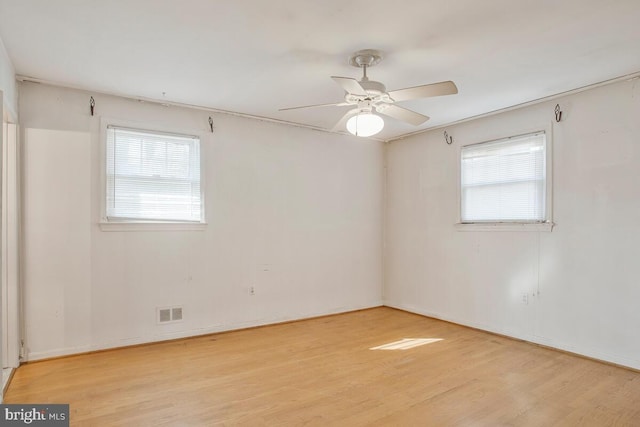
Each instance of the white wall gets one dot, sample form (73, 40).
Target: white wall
(586, 270)
(294, 212)
(8, 83)
(307, 207)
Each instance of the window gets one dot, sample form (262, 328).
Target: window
(152, 177)
(504, 181)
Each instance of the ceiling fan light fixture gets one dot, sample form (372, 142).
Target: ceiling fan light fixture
(365, 124)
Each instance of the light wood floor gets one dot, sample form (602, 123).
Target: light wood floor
(321, 372)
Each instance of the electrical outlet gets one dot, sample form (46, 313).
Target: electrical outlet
(252, 290)
(525, 298)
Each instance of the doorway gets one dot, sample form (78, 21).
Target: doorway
(10, 338)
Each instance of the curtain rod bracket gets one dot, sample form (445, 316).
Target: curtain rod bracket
(558, 113)
(448, 139)
(211, 124)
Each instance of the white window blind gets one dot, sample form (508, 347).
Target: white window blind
(504, 180)
(152, 176)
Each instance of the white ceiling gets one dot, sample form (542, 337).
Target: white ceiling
(254, 57)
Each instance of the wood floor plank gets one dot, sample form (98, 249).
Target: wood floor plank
(321, 372)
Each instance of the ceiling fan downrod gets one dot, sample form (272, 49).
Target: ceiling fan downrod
(364, 59)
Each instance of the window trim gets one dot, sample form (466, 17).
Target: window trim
(545, 226)
(147, 225)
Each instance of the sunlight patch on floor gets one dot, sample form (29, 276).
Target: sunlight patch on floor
(406, 344)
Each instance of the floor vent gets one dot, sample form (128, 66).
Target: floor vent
(169, 314)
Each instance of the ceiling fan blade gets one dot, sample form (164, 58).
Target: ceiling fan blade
(342, 123)
(335, 104)
(350, 85)
(402, 114)
(424, 91)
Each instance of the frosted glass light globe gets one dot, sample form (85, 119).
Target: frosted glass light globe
(365, 124)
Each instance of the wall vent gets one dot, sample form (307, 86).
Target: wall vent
(169, 314)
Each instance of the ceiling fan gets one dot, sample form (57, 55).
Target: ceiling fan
(369, 97)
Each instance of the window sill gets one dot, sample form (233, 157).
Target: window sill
(505, 226)
(152, 226)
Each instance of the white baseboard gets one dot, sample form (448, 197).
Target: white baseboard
(590, 352)
(6, 376)
(69, 351)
